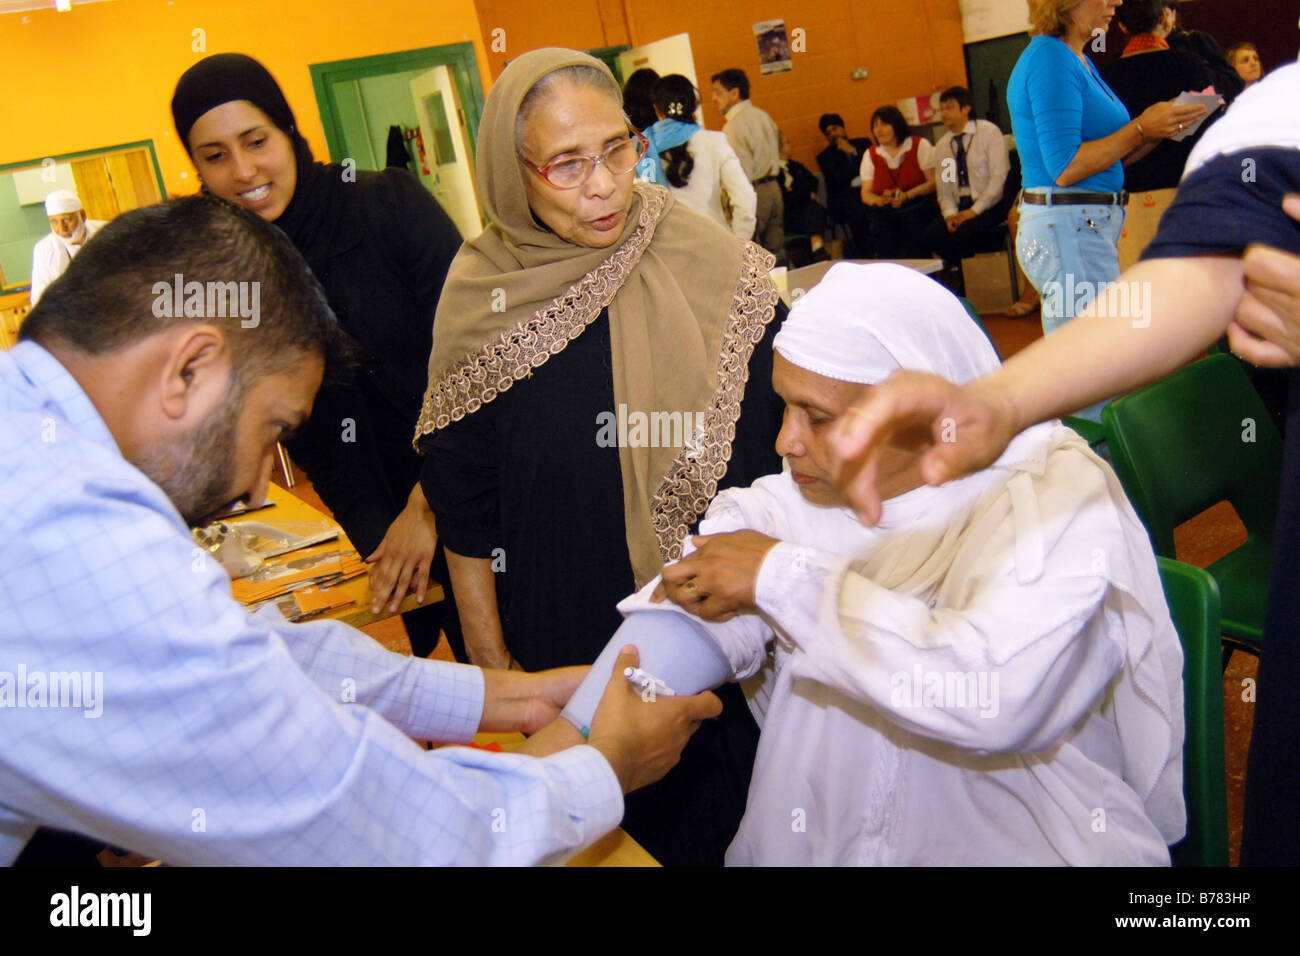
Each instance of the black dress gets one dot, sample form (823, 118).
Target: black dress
(523, 481)
(1147, 78)
(380, 245)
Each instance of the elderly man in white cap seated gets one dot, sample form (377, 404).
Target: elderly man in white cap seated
(990, 676)
(69, 230)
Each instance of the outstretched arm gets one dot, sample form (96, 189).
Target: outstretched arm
(1175, 309)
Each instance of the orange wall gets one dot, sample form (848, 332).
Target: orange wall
(908, 48)
(104, 73)
(578, 24)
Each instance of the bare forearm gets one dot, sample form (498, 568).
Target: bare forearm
(1097, 155)
(558, 735)
(1140, 153)
(925, 189)
(507, 696)
(476, 601)
(1177, 307)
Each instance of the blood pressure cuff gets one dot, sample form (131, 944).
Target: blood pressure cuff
(673, 647)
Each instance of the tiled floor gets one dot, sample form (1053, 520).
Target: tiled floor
(1200, 541)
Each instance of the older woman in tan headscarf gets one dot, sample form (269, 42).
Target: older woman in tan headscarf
(601, 366)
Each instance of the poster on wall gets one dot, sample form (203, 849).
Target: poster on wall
(773, 46)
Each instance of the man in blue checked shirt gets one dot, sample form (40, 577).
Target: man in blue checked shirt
(139, 703)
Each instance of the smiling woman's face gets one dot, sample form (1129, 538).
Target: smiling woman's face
(577, 120)
(243, 157)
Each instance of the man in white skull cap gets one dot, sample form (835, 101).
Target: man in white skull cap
(989, 676)
(69, 230)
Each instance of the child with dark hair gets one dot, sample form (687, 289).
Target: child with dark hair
(699, 164)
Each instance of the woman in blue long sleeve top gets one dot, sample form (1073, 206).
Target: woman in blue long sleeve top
(1074, 137)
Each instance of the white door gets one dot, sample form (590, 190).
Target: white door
(446, 148)
(670, 55)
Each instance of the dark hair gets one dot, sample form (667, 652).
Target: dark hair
(829, 119)
(675, 98)
(959, 94)
(733, 79)
(1140, 16)
(638, 97)
(121, 289)
(226, 77)
(890, 116)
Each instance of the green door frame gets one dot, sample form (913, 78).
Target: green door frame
(458, 56)
(82, 154)
(609, 56)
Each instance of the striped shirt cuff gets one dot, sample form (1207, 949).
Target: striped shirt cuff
(448, 703)
(595, 797)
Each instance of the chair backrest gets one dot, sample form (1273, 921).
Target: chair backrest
(975, 317)
(1194, 606)
(1191, 440)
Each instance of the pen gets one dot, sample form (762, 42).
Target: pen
(645, 680)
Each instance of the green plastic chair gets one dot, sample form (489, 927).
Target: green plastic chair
(1094, 433)
(1179, 446)
(1194, 606)
(975, 317)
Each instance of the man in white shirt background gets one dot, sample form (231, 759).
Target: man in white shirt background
(753, 135)
(69, 230)
(971, 174)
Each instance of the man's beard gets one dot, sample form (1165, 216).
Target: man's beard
(73, 242)
(197, 475)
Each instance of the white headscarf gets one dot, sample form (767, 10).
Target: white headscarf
(864, 321)
(62, 201)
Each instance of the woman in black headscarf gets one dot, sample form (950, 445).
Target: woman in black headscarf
(380, 245)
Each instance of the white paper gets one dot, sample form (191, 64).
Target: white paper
(1211, 102)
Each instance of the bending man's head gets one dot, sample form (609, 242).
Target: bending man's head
(200, 336)
(859, 325)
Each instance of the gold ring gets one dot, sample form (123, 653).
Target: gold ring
(1180, 127)
(690, 586)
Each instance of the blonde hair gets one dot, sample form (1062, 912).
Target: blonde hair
(1051, 17)
(1232, 51)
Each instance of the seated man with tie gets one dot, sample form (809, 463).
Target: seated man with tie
(971, 173)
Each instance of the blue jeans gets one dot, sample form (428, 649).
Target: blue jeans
(1069, 253)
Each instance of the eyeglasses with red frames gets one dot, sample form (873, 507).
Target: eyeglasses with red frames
(572, 172)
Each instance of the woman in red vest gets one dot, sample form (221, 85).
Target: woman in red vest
(898, 187)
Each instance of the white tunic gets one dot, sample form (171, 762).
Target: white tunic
(50, 257)
(1011, 695)
(717, 168)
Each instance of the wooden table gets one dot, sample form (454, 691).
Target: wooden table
(615, 848)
